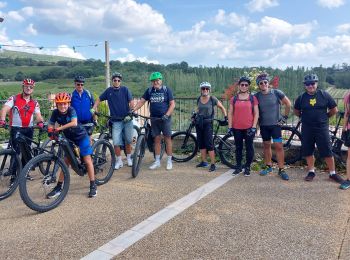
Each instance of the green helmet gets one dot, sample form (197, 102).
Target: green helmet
(155, 76)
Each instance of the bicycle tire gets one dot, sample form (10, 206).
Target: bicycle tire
(138, 155)
(34, 192)
(103, 158)
(227, 151)
(291, 145)
(6, 188)
(185, 147)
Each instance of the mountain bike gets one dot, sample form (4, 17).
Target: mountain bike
(11, 162)
(145, 138)
(34, 193)
(185, 144)
(291, 138)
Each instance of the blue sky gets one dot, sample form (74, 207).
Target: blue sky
(232, 33)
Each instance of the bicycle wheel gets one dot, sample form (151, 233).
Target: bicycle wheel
(185, 147)
(8, 177)
(138, 155)
(49, 146)
(291, 145)
(34, 192)
(227, 151)
(103, 158)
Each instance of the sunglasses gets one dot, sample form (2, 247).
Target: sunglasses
(155, 80)
(205, 88)
(29, 86)
(116, 80)
(310, 84)
(264, 82)
(244, 85)
(79, 84)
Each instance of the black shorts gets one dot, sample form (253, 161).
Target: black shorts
(319, 136)
(160, 126)
(205, 136)
(271, 131)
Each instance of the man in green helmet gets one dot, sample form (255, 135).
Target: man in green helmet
(162, 105)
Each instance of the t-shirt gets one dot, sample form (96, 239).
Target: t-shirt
(73, 133)
(118, 101)
(347, 107)
(82, 104)
(314, 108)
(206, 110)
(269, 107)
(159, 100)
(243, 115)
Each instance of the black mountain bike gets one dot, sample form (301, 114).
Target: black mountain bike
(291, 138)
(11, 162)
(145, 138)
(185, 145)
(34, 193)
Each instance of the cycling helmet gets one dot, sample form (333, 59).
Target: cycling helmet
(310, 78)
(244, 79)
(27, 82)
(117, 75)
(205, 84)
(62, 97)
(261, 77)
(155, 76)
(79, 78)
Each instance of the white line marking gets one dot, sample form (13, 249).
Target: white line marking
(128, 238)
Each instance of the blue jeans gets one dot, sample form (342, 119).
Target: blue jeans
(122, 131)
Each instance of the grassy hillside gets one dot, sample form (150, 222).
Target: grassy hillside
(38, 57)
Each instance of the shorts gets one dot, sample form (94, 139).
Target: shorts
(122, 131)
(319, 136)
(205, 136)
(159, 126)
(271, 131)
(84, 146)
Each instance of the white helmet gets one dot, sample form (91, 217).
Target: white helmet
(205, 84)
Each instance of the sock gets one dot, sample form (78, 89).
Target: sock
(312, 170)
(158, 158)
(119, 158)
(128, 156)
(280, 169)
(331, 172)
(170, 157)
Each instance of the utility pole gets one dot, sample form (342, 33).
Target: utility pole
(107, 63)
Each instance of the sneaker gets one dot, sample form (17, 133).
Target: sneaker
(118, 165)
(129, 162)
(169, 165)
(212, 168)
(237, 171)
(202, 164)
(54, 193)
(247, 172)
(336, 178)
(92, 192)
(310, 176)
(266, 171)
(155, 165)
(29, 178)
(345, 185)
(283, 175)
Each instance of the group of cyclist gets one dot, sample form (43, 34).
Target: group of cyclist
(75, 115)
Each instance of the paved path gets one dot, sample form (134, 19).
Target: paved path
(245, 218)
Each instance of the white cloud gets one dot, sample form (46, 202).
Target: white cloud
(231, 19)
(331, 3)
(14, 15)
(3, 4)
(261, 5)
(343, 28)
(132, 57)
(31, 30)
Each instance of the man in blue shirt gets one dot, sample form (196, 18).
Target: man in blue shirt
(83, 101)
(120, 102)
(162, 105)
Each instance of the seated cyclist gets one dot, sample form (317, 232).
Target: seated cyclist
(66, 117)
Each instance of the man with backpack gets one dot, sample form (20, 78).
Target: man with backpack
(270, 121)
(161, 105)
(315, 107)
(83, 101)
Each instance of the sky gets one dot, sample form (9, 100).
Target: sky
(275, 33)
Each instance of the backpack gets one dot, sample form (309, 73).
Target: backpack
(90, 96)
(273, 91)
(251, 99)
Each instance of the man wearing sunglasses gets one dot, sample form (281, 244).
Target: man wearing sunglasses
(270, 121)
(83, 101)
(120, 103)
(21, 108)
(315, 107)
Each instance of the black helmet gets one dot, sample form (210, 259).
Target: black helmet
(310, 78)
(117, 75)
(244, 79)
(261, 77)
(79, 78)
